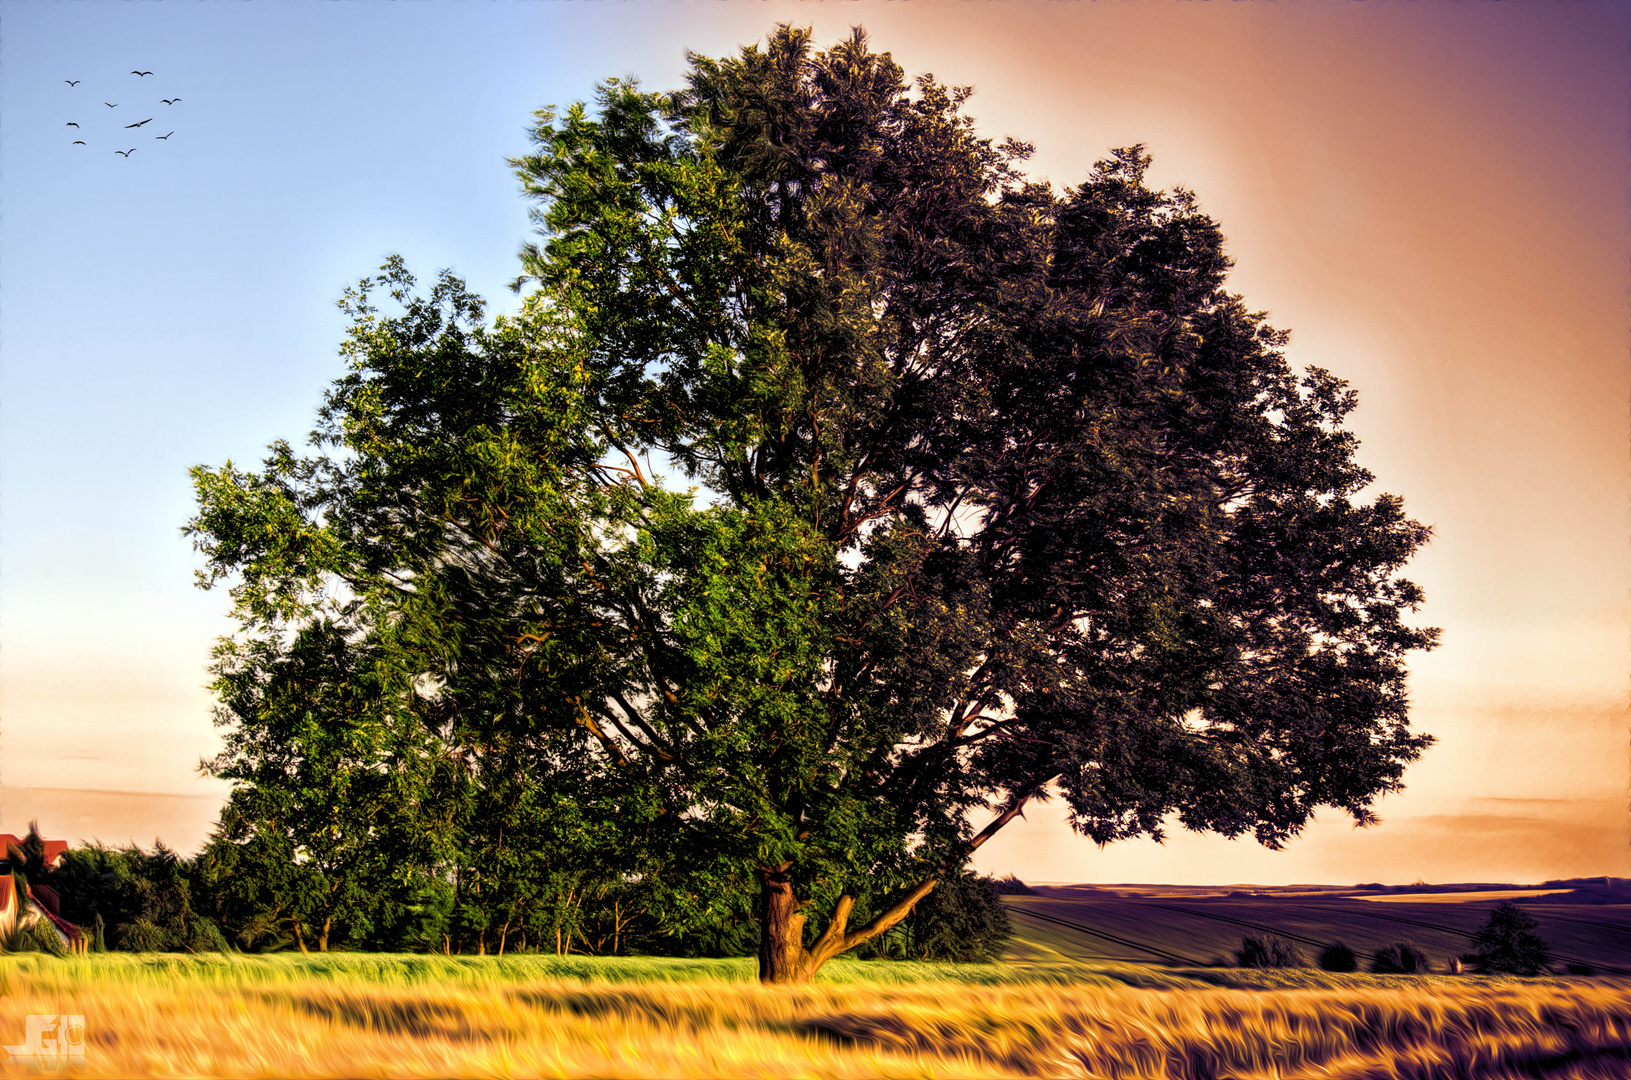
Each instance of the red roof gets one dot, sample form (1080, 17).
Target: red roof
(53, 848)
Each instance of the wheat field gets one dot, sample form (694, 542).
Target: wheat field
(466, 1017)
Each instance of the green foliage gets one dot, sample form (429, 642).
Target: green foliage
(1401, 958)
(998, 492)
(35, 936)
(962, 921)
(1508, 942)
(39, 936)
(334, 773)
(144, 901)
(1269, 951)
(1338, 957)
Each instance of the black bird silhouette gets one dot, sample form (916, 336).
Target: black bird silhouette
(110, 104)
(72, 82)
(170, 100)
(141, 73)
(81, 142)
(71, 124)
(126, 153)
(149, 120)
(163, 136)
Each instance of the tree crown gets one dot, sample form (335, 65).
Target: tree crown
(1001, 492)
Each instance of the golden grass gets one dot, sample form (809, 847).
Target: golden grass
(388, 1017)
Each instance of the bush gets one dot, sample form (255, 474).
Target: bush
(1507, 942)
(36, 936)
(142, 935)
(962, 921)
(132, 899)
(1338, 957)
(1268, 952)
(1401, 958)
(1012, 886)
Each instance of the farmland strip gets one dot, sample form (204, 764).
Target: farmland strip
(1618, 928)
(1243, 922)
(1399, 919)
(1162, 953)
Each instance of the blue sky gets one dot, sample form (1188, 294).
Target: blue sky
(177, 306)
(1431, 197)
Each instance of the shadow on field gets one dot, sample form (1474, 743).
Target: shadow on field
(385, 1014)
(696, 1009)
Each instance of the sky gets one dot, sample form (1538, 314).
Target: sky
(1432, 198)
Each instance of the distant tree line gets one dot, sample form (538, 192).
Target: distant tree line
(250, 894)
(1506, 943)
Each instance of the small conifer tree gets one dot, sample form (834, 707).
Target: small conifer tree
(1508, 942)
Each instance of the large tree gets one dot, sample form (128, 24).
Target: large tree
(996, 492)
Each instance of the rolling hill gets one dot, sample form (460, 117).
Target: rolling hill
(1193, 927)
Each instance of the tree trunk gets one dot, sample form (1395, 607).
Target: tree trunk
(322, 939)
(782, 955)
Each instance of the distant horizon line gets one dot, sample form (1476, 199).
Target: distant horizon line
(1471, 886)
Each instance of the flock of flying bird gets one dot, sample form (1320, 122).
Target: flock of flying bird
(114, 105)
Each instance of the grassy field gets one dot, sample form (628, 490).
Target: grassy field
(364, 1015)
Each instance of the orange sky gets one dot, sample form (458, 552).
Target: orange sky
(1431, 197)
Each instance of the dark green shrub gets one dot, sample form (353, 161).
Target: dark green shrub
(1338, 957)
(1401, 958)
(141, 935)
(1268, 951)
(142, 901)
(37, 937)
(961, 921)
(40, 936)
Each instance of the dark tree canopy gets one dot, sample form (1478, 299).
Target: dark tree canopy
(997, 491)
